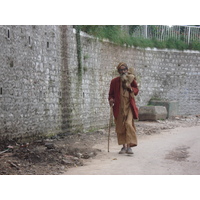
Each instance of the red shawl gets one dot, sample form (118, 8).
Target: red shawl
(114, 93)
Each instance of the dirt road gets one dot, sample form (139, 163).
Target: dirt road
(171, 152)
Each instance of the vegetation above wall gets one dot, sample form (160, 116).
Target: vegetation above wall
(123, 36)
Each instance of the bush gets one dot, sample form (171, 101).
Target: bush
(181, 45)
(159, 44)
(171, 43)
(194, 45)
(117, 35)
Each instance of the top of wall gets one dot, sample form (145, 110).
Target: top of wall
(170, 50)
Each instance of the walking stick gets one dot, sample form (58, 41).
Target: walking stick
(110, 121)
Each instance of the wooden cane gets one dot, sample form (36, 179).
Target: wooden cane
(110, 121)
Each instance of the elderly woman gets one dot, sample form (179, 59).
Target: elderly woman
(121, 97)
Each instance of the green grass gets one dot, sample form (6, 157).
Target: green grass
(120, 37)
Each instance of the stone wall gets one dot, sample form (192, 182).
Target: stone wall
(162, 74)
(43, 91)
(170, 75)
(30, 84)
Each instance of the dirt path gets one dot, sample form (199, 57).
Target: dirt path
(161, 150)
(172, 152)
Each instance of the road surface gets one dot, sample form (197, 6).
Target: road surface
(171, 152)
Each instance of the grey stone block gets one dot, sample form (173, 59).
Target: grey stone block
(171, 106)
(152, 113)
